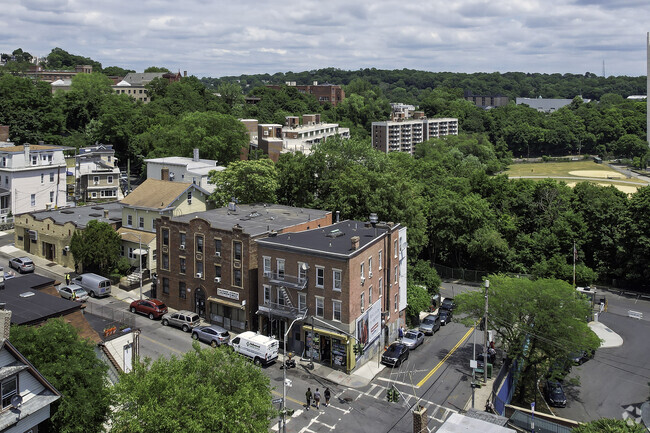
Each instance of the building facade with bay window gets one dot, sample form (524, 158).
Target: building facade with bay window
(207, 261)
(346, 283)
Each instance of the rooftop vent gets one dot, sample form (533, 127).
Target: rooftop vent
(97, 207)
(95, 215)
(335, 233)
(27, 294)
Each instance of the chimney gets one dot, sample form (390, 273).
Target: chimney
(4, 133)
(195, 155)
(420, 420)
(26, 148)
(164, 173)
(106, 213)
(5, 321)
(355, 242)
(185, 73)
(338, 214)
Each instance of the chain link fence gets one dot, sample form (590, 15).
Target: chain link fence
(116, 320)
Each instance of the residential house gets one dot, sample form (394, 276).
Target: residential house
(47, 234)
(25, 394)
(180, 169)
(403, 136)
(340, 282)
(207, 261)
(32, 178)
(147, 203)
(97, 174)
(134, 84)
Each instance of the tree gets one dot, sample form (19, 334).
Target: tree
(156, 69)
(535, 321)
(71, 366)
(97, 248)
(205, 390)
(417, 299)
(424, 274)
(254, 181)
(231, 94)
(606, 425)
(116, 71)
(84, 100)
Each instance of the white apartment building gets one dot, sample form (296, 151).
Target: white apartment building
(180, 169)
(403, 136)
(97, 174)
(301, 137)
(32, 178)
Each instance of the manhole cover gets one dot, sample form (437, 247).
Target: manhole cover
(51, 264)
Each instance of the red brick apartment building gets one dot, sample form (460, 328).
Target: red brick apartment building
(207, 261)
(325, 93)
(341, 281)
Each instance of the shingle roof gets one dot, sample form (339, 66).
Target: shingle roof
(142, 77)
(33, 147)
(158, 194)
(81, 215)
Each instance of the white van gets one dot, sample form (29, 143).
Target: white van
(95, 285)
(261, 349)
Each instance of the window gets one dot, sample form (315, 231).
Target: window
(217, 247)
(302, 301)
(42, 177)
(267, 266)
(380, 287)
(363, 305)
(189, 197)
(183, 267)
(280, 297)
(52, 177)
(267, 294)
(320, 276)
(9, 388)
(280, 266)
(199, 244)
(34, 160)
(33, 199)
(6, 180)
(51, 196)
(396, 273)
(336, 276)
(96, 180)
(217, 271)
(302, 272)
(369, 295)
(165, 260)
(198, 265)
(395, 302)
(183, 237)
(320, 306)
(182, 292)
(336, 311)
(129, 220)
(165, 285)
(141, 222)
(363, 274)
(395, 248)
(237, 250)
(369, 267)
(165, 236)
(4, 161)
(237, 278)
(109, 179)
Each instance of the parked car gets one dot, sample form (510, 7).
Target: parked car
(186, 320)
(66, 292)
(445, 316)
(448, 304)
(430, 324)
(213, 335)
(579, 358)
(395, 354)
(22, 264)
(153, 308)
(554, 394)
(413, 338)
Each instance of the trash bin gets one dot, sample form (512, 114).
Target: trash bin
(489, 371)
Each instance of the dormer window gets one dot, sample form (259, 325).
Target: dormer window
(8, 389)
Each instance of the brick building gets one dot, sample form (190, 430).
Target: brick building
(325, 93)
(207, 261)
(340, 281)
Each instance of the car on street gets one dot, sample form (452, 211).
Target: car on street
(22, 264)
(430, 324)
(413, 338)
(152, 308)
(554, 394)
(213, 335)
(448, 304)
(580, 357)
(395, 354)
(445, 316)
(183, 319)
(73, 292)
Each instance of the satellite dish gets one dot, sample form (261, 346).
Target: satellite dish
(16, 401)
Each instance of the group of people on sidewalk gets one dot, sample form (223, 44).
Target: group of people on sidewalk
(316, 396)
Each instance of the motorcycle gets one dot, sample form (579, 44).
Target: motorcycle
(289, 362)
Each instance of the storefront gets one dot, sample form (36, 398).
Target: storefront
(329, 348)
(228, 314)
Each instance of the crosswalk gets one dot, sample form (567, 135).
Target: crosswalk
(327, 418)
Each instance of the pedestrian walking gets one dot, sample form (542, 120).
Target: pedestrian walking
(308, 397)
(400, 332)
(327, 395)
(317, 398)
(67, 279)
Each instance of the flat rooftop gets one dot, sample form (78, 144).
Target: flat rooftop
(256, 219)
(81, 215)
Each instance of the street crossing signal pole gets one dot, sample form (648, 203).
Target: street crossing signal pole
(485, 332)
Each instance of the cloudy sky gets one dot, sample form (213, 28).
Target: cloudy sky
(217, 37)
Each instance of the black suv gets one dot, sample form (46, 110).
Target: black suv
(395, 354)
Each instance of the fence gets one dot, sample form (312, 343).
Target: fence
(523, 420)
(118, 319)
(471, 275)
(504, 386)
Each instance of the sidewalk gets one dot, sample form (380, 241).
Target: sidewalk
(609, 338)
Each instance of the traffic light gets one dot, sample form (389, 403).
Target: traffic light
(392, 395)
(358, 349)
(389, 395)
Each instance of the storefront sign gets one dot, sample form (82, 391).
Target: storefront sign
(369, 324)
(228, 294)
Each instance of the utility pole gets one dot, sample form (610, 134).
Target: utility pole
(485, 332)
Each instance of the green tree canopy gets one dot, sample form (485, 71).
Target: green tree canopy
(417, 299)
(156, 69)
(70, 364)
(204, 391)
(254, 181)
(606, 425)
(97, 248)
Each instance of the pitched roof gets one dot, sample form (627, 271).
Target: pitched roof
(33, 147)
(142, 77)
(158, 194)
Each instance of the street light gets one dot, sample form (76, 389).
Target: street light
(139, 256)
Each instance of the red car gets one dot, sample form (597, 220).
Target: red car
(153, 308)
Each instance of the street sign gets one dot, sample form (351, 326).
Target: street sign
(473, 363)
(277, 400)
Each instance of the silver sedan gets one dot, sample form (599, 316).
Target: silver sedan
(413, 338)
(73, 293)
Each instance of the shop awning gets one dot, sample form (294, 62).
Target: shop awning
(264, 310)
(326, 332)
(224, 302)
(139, 252)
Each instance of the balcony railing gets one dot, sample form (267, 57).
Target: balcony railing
(284, 280)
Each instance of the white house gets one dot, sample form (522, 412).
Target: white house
(32, 178)
(25, 395)
(180, 169)
(97, 174)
